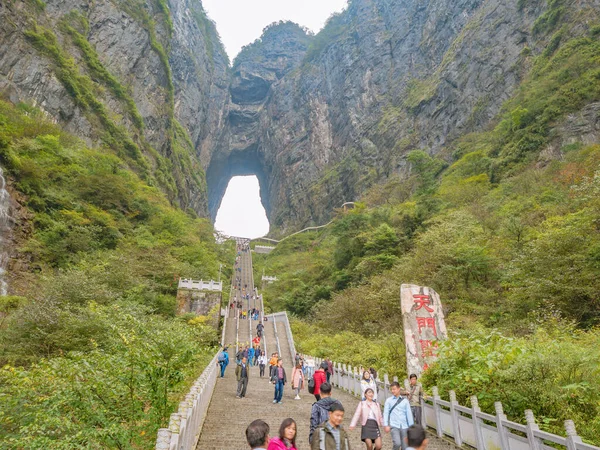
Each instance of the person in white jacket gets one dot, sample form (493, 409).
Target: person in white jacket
(368, 382)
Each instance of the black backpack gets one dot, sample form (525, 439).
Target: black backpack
(311, 385)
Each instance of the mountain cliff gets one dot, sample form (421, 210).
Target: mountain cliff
(147, 79)
(384, 78)
(318, 118)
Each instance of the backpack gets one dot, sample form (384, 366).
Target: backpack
(311, 385)
(221, 357)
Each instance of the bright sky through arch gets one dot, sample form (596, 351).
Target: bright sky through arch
(240, 22)
(242, 213)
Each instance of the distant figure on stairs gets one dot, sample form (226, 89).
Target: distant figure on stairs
(259, 329)
(241, 374)
(319, 378)
(415, 394)
(279, 379)
(223, 360)
(297, 380)
(262, 362)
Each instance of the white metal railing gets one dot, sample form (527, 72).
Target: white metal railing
(467, 425)
(224, 326)
(276, 336)
(186, 423)
(264, 249)
(283, 317)
(200, 285)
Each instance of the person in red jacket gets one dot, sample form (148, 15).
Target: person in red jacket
(319, 378)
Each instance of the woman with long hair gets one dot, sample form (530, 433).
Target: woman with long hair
(368, 382)
(287, 436)
(297, 380)
(369, 414)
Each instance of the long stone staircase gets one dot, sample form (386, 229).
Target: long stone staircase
(228, 416)
(214, 418)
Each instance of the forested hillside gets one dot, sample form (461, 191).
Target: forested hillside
(91, 353)
(506, 229)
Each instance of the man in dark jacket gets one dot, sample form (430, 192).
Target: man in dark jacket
(320, 410)
(330, 435)
(278, 378)
(241, 374)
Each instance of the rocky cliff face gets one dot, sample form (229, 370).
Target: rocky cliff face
(318, 119)
(241, 148)
(148, 78)
(383, 78)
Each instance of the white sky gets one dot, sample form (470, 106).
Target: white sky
(241, 22)
(241, 213)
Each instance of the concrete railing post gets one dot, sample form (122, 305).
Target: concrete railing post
(386, 387)
(572, 438)
(183, 424)
(437, 409)
(502, 432)
(163, 440)
(174, 427)
(532, 427)
(423, 415)
(345, 377)
(454, 414)
(476, 423)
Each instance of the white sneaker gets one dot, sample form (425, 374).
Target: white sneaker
(297, 397)
(274, 401)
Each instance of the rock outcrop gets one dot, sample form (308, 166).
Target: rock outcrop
(157, 71)
(318, 119)
(383, 78)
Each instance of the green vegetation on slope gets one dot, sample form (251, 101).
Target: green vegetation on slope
(93, 355)
(503, 233)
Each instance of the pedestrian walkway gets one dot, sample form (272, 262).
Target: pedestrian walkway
(228, 416)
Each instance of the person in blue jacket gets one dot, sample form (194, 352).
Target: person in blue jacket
(397, 416)
(250, 356)
(223, 360)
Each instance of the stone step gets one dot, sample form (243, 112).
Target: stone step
(229, 416)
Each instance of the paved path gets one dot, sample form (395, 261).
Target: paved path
(229, 416)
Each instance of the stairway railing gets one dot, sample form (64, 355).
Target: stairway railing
(185, 425)
(467, 425)
(283, 317)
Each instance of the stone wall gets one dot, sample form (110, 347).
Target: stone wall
(201, 303)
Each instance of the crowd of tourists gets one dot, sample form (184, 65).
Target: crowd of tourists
(400, 414)
(331, 434)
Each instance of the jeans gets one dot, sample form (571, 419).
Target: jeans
(242, 385)
(223, 366)
(399, 439)
(416, 411)
(262, 370)
(278, 390)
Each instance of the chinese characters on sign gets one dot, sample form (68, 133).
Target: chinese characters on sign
(423, 325)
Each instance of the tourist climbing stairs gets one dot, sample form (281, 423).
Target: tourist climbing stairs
(213, 417)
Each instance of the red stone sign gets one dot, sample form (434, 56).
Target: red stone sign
(424, 325)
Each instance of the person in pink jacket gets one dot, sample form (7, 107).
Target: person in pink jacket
(287, 437)
(369, 414)
(297, 380)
